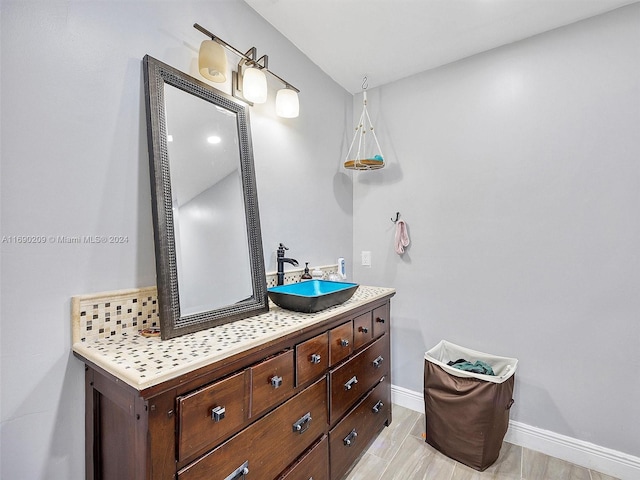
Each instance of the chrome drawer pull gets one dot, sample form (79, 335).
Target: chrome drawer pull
(217, 413)
(302, 425)
(276, 381)
(344, 342)
(315, 358)
(380, 320)
(349, 439)
(378, 361)
(377, 407)
(364, 329)
(239, 472)
(350, 383)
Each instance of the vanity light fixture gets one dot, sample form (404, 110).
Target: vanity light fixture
(287, 104)
(249, 81)
(254, 85)
(212, 61)
(252, 78)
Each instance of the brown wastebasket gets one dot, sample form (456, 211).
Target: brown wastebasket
(467, 413)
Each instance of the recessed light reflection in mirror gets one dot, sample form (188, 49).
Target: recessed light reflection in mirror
(214, 139)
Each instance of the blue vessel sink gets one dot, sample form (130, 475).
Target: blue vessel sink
(311, 296)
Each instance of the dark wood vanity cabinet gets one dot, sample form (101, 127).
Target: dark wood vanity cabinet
(303, 406)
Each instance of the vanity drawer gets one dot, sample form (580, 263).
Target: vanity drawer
(210, 414)
(380, 321)
(271, 382)
(353, 434)
(312, 358)
(362, 331)
(269, 445)
(352, 379)
(314, 464)
(340, 342)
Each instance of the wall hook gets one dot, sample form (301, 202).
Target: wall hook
(397, 218)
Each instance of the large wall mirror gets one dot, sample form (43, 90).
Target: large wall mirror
(209, 258)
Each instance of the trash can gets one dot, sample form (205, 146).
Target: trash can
(467, 413)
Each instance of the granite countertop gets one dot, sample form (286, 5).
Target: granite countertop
(143, 362)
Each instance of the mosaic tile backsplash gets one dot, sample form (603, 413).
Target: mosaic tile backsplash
(108, 314)
(294, 275)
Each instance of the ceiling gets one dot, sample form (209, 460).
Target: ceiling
(387, 40)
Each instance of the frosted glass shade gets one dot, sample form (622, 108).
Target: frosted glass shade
(287, 104)
(212, 61)
(254, 85)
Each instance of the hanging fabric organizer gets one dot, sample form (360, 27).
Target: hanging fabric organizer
(365, 152)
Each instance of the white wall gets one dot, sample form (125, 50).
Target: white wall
(518, 173)
(74, 162)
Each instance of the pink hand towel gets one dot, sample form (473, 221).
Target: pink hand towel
(402, 237)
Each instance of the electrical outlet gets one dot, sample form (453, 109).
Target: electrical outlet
(366, 258)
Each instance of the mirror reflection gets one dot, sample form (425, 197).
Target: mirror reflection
(212, 254)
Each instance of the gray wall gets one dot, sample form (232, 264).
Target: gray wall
(518, 173)
(208, 280)
(74, 162)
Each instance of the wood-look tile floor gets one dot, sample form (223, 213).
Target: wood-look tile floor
(400, 453)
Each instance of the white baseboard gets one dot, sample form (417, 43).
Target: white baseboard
(585, 454)
(407, 398)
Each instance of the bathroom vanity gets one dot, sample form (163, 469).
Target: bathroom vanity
(280, 395)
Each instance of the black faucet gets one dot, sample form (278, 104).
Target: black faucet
(281, 261)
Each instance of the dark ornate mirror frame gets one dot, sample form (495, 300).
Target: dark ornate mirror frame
(172, 323)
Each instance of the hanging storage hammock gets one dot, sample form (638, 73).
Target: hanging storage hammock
(367, 155)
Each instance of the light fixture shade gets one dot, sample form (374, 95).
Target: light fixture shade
(254, 85)
(212, 61)
(287, 104)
